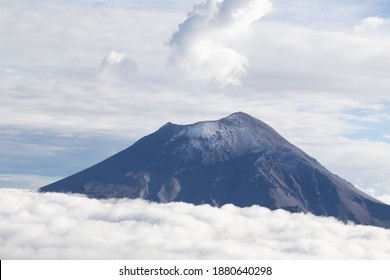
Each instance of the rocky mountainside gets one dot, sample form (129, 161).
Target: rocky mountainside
(238, 160)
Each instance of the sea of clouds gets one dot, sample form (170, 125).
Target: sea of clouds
(60, 226)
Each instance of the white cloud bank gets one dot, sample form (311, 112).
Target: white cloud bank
(206, 44)
(60, 226)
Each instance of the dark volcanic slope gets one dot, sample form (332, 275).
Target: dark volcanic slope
(238, 160)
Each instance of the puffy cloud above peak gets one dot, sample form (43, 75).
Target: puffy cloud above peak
(205, 45)
(117, 65)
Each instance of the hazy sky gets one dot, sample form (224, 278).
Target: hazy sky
(81, 80)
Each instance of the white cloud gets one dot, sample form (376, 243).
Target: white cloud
(60, 226)
(118, 66)
(370, 24)
(384, 198)
(205, 46)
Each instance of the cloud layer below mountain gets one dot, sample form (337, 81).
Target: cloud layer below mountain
(60, 226)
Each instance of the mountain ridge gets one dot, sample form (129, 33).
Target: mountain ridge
(237, 159)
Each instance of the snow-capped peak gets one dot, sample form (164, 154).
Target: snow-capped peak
(227, 138)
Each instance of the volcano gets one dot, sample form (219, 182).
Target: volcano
(235, 160)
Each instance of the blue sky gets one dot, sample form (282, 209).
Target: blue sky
(81, 80)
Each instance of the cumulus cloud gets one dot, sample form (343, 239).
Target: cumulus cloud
(118, 66)
(370, 24)
(60, 226)
(205, 46)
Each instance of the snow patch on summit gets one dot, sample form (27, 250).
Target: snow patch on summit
(203, 130)
(227, 138)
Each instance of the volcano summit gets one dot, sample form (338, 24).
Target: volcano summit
(238, 160)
